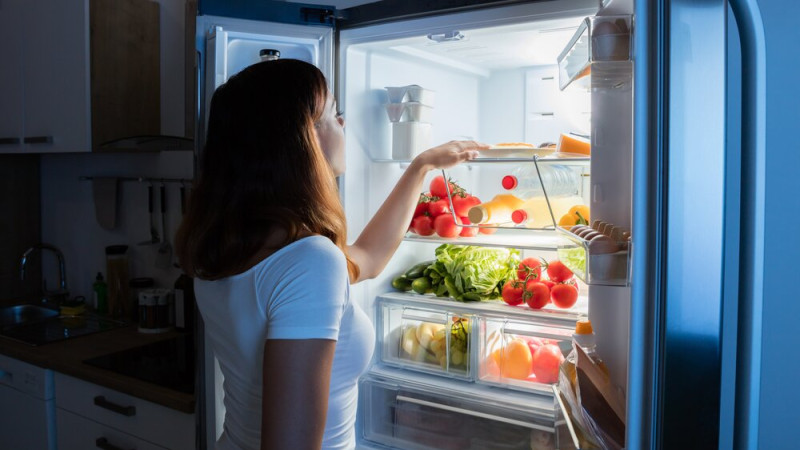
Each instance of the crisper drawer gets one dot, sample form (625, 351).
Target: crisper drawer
(402, 414)
(426, 339)
(149, 421)
(76, 432)
(521, 355)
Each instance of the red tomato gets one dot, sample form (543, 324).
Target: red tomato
(548, 283)
(546, 361)
(574, 283)
(530, 269)
(483, 229)
(564, 295)
(512, 292)
(446, 227)
(422, 208)
(536, 294)
(461, 205)
(439, 207)
(467, 231)
(422, 225)
(438, 188)
(558, 272)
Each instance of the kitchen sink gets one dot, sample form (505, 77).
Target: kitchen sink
(24, 314)
(36, 325)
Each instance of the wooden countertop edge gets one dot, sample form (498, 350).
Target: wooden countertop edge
(67, 357)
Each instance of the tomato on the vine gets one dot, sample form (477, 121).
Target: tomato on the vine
(530, 269)
(446, 227)
(467, 231)
(462, 205)
(439, 207)
(564, 295)
(422, 225)
(438, 188)
(512, 292)
(536, 294)
(558, 272)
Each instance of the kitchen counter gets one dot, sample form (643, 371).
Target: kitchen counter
(68, 357)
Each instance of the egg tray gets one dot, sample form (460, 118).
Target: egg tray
(605, 261)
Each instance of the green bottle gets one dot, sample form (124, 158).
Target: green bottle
(100, 289)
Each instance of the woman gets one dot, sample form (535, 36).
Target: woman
(265, 237)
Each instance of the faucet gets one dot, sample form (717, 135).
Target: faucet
(61, 292)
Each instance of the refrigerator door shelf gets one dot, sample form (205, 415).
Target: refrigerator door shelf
(599, 41)
(402, 411)
(521, 355)
(603, 264)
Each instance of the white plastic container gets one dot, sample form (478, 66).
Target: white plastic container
(410, 139)
(419, 94)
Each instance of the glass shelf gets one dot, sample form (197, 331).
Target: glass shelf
(522, 239)
(600, 46)
(567, 159)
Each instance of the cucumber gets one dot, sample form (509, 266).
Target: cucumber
(401, 283)
(421, 285)
(416, 271)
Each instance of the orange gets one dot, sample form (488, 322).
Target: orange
(567, 220)
(516, 360)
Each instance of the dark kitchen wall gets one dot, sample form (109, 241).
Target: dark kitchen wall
(20, 227)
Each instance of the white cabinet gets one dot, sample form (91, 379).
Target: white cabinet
(77, 73)
(77, 432)
(122, 420)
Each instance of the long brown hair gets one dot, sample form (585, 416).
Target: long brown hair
(262, 168)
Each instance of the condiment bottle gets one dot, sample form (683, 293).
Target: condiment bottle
(100, 294)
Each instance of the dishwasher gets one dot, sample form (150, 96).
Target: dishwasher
(27, 406)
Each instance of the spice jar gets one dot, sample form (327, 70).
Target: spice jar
(269, 54)
(137, 285)
(156, 313)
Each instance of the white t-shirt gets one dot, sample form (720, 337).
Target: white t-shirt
(302, 291)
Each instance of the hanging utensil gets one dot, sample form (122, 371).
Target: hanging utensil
(153, 231)
(164, 256)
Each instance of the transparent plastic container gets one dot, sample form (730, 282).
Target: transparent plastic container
(426, 340)
(521, 355)
(558, 180)
(411, 413)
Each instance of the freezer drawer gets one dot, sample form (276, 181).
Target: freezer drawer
(521, 355)
(426, 339)
(403, 414)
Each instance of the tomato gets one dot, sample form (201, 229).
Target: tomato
(548, 283)
(536, 294)
(564, 295)
(438, 188)
(422, 208)
(446, 227)
(422, 225)
(512, 292)
(572, 282)
(483, 229)
(467, 231)
(558, 272)
(530, 269)
(462, 205)
(546, 361)
(439, 207)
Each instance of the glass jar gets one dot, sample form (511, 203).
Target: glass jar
(137, 285)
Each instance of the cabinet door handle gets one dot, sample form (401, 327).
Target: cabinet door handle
(103, 443)
(119, 409)
(38, 139)
(9, 141)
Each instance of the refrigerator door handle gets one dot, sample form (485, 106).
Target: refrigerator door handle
(416, 401)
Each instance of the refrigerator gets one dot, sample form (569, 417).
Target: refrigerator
(688, 317)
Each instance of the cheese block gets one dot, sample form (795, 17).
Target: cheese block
(573, 144)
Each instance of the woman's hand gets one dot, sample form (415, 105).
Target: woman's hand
(448, 155)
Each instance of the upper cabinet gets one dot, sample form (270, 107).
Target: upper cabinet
(77, 73)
